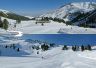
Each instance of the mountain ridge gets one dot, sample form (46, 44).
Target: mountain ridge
(70, 8)
(12, 15)
(72, 13)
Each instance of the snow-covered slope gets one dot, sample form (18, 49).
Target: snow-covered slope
(4, 11)
(30, 27)
(52, 58)
(12, 15)
(65, 10)
(30, 17)
(55, 57)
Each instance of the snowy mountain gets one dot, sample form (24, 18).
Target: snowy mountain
(11, 15)
(68, 9)
(30, 17)
(4, 11)
(79, 13)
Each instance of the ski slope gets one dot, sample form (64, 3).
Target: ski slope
(55, 58)
(29, 27)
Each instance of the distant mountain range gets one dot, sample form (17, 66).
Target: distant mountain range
(79, 13)
(11, 15)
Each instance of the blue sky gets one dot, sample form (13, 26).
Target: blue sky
(34, 7)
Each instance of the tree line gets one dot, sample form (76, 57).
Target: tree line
(4, 24)
(78, 48)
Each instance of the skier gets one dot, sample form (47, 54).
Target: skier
(42, 24)
(71, 27)
(42, 57)
(85, 29)
(37, 52)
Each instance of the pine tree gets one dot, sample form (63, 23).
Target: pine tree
(18, 21)
(44, 47)
(73, 48)
(42, 24)
(5, 24)
(36, 22)
(14, 47)
(6, 46)
(52, 44)
(18, 49)
(14, 25)
(82, 48)
(33, 47)
(65, 47)
(1, 23)
(37, 48)
(0, 20)
(37, 52)
(89, 47)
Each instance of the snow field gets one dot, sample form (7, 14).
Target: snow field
(54, 58)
